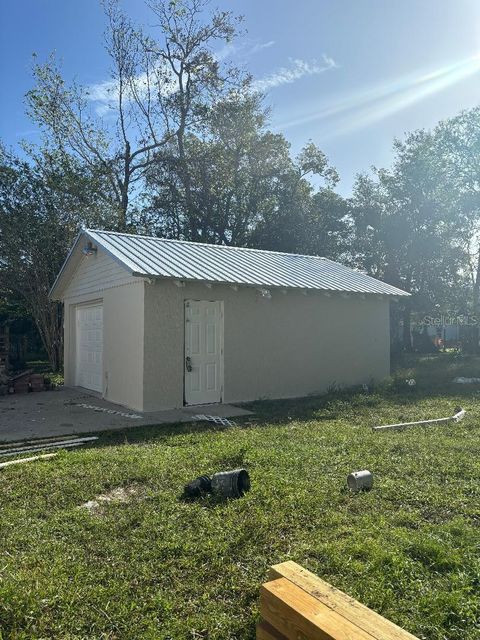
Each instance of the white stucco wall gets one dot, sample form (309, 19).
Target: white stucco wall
(291, 345)
(99, 278)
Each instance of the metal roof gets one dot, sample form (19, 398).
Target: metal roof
(161, 258)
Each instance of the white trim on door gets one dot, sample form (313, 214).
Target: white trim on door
(203, 357)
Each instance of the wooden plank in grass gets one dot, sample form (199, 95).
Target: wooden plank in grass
(373, 623)
(297, 614)
(265, 631)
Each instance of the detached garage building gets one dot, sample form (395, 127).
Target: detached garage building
(156, 324)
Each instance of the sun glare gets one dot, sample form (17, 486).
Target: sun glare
(380, 101)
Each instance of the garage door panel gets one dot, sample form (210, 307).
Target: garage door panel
(89, 352)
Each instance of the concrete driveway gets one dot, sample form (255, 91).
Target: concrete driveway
(69, 411)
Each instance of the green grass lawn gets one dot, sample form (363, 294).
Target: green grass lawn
(159, 567)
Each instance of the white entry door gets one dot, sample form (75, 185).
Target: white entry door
(203, 351)
(90, 347)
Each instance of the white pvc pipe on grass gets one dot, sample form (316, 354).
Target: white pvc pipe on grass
(459, 415)
(31, 459)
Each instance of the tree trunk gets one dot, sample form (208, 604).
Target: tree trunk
(407, 328)
(474, 330)
(122, 215)
(187, 184)
(124, 186)
(49, 322)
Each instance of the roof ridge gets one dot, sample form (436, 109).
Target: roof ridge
(207, 244)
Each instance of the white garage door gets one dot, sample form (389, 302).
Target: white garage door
(90, 347)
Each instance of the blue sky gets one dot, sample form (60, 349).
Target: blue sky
(348, 74)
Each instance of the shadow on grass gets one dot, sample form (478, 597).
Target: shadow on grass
(433, 374)
(266, 413)
(153, 433)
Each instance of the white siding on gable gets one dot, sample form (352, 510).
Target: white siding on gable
(96, 273)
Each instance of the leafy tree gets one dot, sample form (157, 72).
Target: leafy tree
(458, 168)
(245, 189)
(327, 229)
(42, 205)
(158, 89)
(406, 231)
(294, 223)
(231, 164)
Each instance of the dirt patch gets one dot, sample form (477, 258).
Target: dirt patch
(118, 495)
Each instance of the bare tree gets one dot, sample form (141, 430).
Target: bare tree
(196, 72)
(157, 88)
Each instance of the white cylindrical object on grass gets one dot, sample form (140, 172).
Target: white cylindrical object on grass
(360, 480)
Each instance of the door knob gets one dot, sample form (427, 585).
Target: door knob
(188, 363)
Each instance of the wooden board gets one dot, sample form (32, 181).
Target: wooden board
(297, 614)
(369, 621)
(265, 631)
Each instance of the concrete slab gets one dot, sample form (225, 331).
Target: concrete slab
(68, 411)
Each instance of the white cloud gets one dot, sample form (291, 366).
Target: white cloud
(104, 109)
(243, 49)
(225, 52)
(105, 94)
(260, 46)
(295, 71)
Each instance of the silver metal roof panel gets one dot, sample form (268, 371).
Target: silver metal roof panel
(160, 258)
